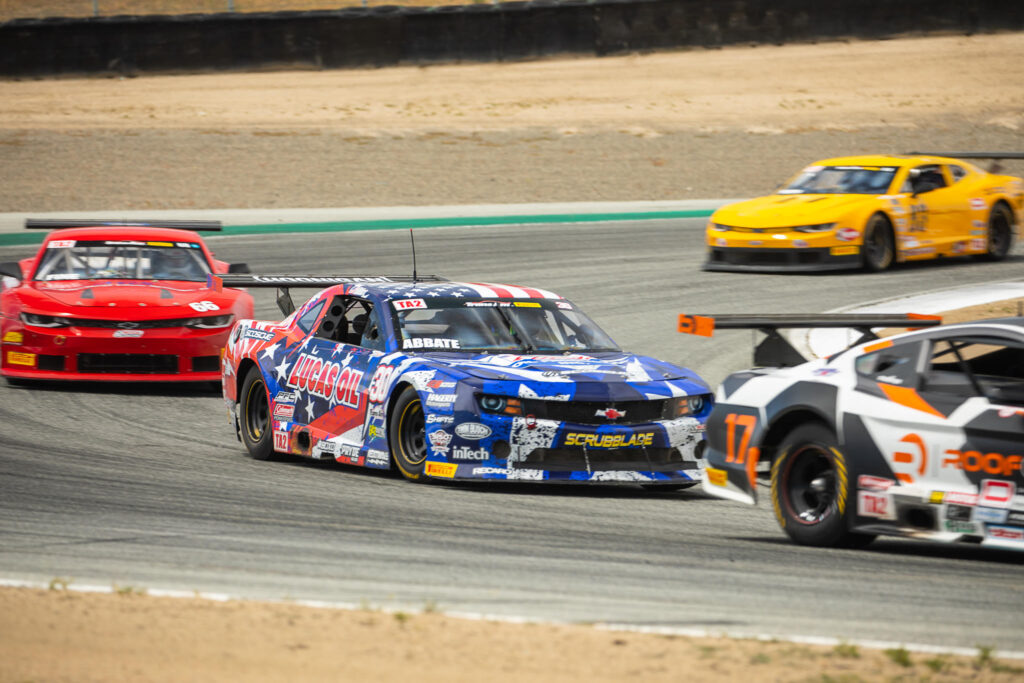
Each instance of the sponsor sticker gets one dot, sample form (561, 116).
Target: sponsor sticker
(957, 497)
(472, 431)
(326, 379)
(609, 440)
(284, 411)
(13, 337)
(438, 384)
(441, 469)
(565, 305)
(844, 251)
(875, 504)
(280, 441)
(978, 204)
(960, 527)
(847, 234)
(997, 493)
(159, 244)
(1015, 517)
(375, 431)
(440, 400)
(376, 457)
(715, 476)
(990, 515)
(466, 453)
(19, 358)
(325, 449)
(406, 304)
(867, 481)
(1006, 533)
(258, 334)
(60, 244)
(526, 304)
(439, 437)
(440, 419)
(961, 513)
(978, 245)
(127, 334)
(430, 343)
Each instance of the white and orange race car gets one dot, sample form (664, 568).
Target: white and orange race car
(920, 434)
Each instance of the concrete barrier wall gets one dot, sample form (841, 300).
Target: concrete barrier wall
(390, 35)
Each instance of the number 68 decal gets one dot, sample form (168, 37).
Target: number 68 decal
(203, 306)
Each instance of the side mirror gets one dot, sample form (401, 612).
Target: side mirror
(11, 269)
(238, 268)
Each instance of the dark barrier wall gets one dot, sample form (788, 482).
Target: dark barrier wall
(389, 35)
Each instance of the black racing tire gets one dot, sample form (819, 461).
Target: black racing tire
(1000, 232)
(665, 488)
(811, 492)
(254, 416)
(407, 434)
(879, 248)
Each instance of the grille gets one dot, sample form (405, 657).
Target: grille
(206, 364)
(645, 459)
(127, 363)
(766, 257)
(51, 363)
(129, 324)
(584, 412)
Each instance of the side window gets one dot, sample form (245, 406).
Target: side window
(893, 365)
(352, 321)
(924, 179)
(305, 322)
(956, 172)
(971, 366)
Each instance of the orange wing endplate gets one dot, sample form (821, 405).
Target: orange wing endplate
(700, 325)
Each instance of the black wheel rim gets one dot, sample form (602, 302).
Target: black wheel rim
(809, 485)
(412, 435)
(257, 411)
(999, 234)
(877, 247)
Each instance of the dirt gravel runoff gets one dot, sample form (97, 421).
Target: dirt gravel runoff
(698, 124)
(701, 124)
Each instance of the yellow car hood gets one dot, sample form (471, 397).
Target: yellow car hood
(786, 210)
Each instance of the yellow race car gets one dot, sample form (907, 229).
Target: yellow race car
(870, 212)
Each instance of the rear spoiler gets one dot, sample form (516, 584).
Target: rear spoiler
(55, 223)
(777, 351)
(996, 157)
(284, 283)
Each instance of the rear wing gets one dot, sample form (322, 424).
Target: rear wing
(284, 283)
(777, 351)
(56, 223)
(996, 157)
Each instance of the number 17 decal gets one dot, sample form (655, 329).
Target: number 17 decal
(744, 455)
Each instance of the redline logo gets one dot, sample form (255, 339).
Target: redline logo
(996, 493)
(326, 379)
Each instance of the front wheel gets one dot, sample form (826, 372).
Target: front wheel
(879, 245)
(810, 490)
(1000, 233)
(408, 435)
(254, 415)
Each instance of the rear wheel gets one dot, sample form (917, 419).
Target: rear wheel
(408, 434)
(810, 490)
(1000, 232)
(254, 415)
(879, 244)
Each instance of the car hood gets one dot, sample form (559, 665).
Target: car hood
(71, 297)
(547, 374)
(786, 210)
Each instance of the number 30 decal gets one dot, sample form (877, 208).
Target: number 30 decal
(203, 306)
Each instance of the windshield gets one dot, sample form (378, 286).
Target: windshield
(491, 325)
(841, 180)
(122, 260)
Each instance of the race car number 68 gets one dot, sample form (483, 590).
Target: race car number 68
(202, 306)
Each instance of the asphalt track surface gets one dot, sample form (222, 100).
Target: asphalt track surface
(146, 486)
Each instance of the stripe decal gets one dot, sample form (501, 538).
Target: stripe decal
(909, 398)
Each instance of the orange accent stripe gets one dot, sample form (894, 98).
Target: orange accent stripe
(909, 398)
(905, 478)
(923, 316)
(884, 344)
(753, 456)
(700, 325)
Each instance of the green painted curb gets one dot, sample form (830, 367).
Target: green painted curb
(16, 239)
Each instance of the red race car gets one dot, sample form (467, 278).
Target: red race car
(117, 301)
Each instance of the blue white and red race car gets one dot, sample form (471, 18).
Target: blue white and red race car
(458, 381)
(919, 435)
